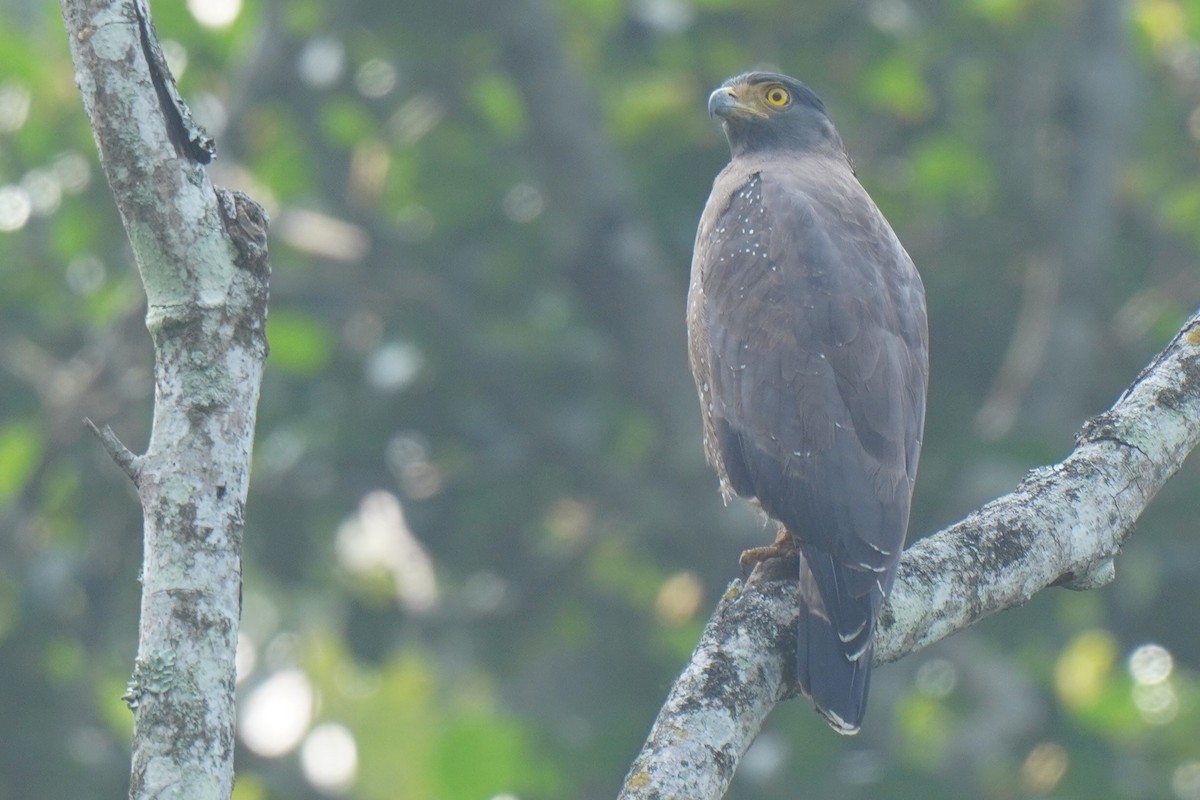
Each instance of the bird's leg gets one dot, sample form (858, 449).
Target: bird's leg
(784, 554)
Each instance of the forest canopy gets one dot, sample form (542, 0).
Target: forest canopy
(480, 528)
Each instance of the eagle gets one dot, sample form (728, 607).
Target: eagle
(808, 342)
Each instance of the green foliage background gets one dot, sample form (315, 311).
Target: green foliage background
(482, 221)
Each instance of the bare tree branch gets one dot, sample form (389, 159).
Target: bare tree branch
(1062, 526)
(124, 458)
(1027, 347)
(201, 254)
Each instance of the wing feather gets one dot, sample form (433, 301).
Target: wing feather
(808, 342)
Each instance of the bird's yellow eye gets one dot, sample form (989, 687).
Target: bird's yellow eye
(778, 96)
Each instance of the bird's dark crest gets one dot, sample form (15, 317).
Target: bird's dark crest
(801, 94)
(753, 125)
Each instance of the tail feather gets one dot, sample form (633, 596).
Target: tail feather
(834, 642)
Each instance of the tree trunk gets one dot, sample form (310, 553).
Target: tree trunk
(201, 254)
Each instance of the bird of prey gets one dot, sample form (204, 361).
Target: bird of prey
(808, 344)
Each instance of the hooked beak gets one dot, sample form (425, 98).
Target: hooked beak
(725, 103)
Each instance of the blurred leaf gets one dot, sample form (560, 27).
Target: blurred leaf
(301, 344)
(277, 155)
(18, 58)
(10, 606)
(1180, 209)
(305, 16)
(572, 627)
(75, 230)
(925, 727)
(20, 452)
(63, 659)
(616, 567)
(1163, 22)
(637, 437)
(347, 122)
(107, 689)
(643, 104)
(679, 641)
(1112, 710)
(501, 760)
(114, 298)
(60, 487)
(1000, 11)
(249, 786)
(1084, 668)
(948, 168)
(499, 102)
(596, 11)
(898, 86)
(395, 712)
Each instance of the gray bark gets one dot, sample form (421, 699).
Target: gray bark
(1062, 526)
(201, 255)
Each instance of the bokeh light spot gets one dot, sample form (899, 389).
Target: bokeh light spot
(1044, 767)
(245, 657)
(937, 677)
(322, 62)
(523, 203)
(1185, 781)
(679, 598)
(73, 171)
(329, 758)
(15, 100)
(215, 13)
(85, 274)
(15, 208)
(44, 191)
(1157, 703)
(375, 78)
(176, 55)
(277, 713)
(394, 366)
(1150, 664)
(377, 540)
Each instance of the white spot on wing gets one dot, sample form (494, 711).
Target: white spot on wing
(849, 637)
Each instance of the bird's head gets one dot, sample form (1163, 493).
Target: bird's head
(767, 110)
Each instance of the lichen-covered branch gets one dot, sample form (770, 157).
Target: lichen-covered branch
(201, 254)
(1062, 526)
